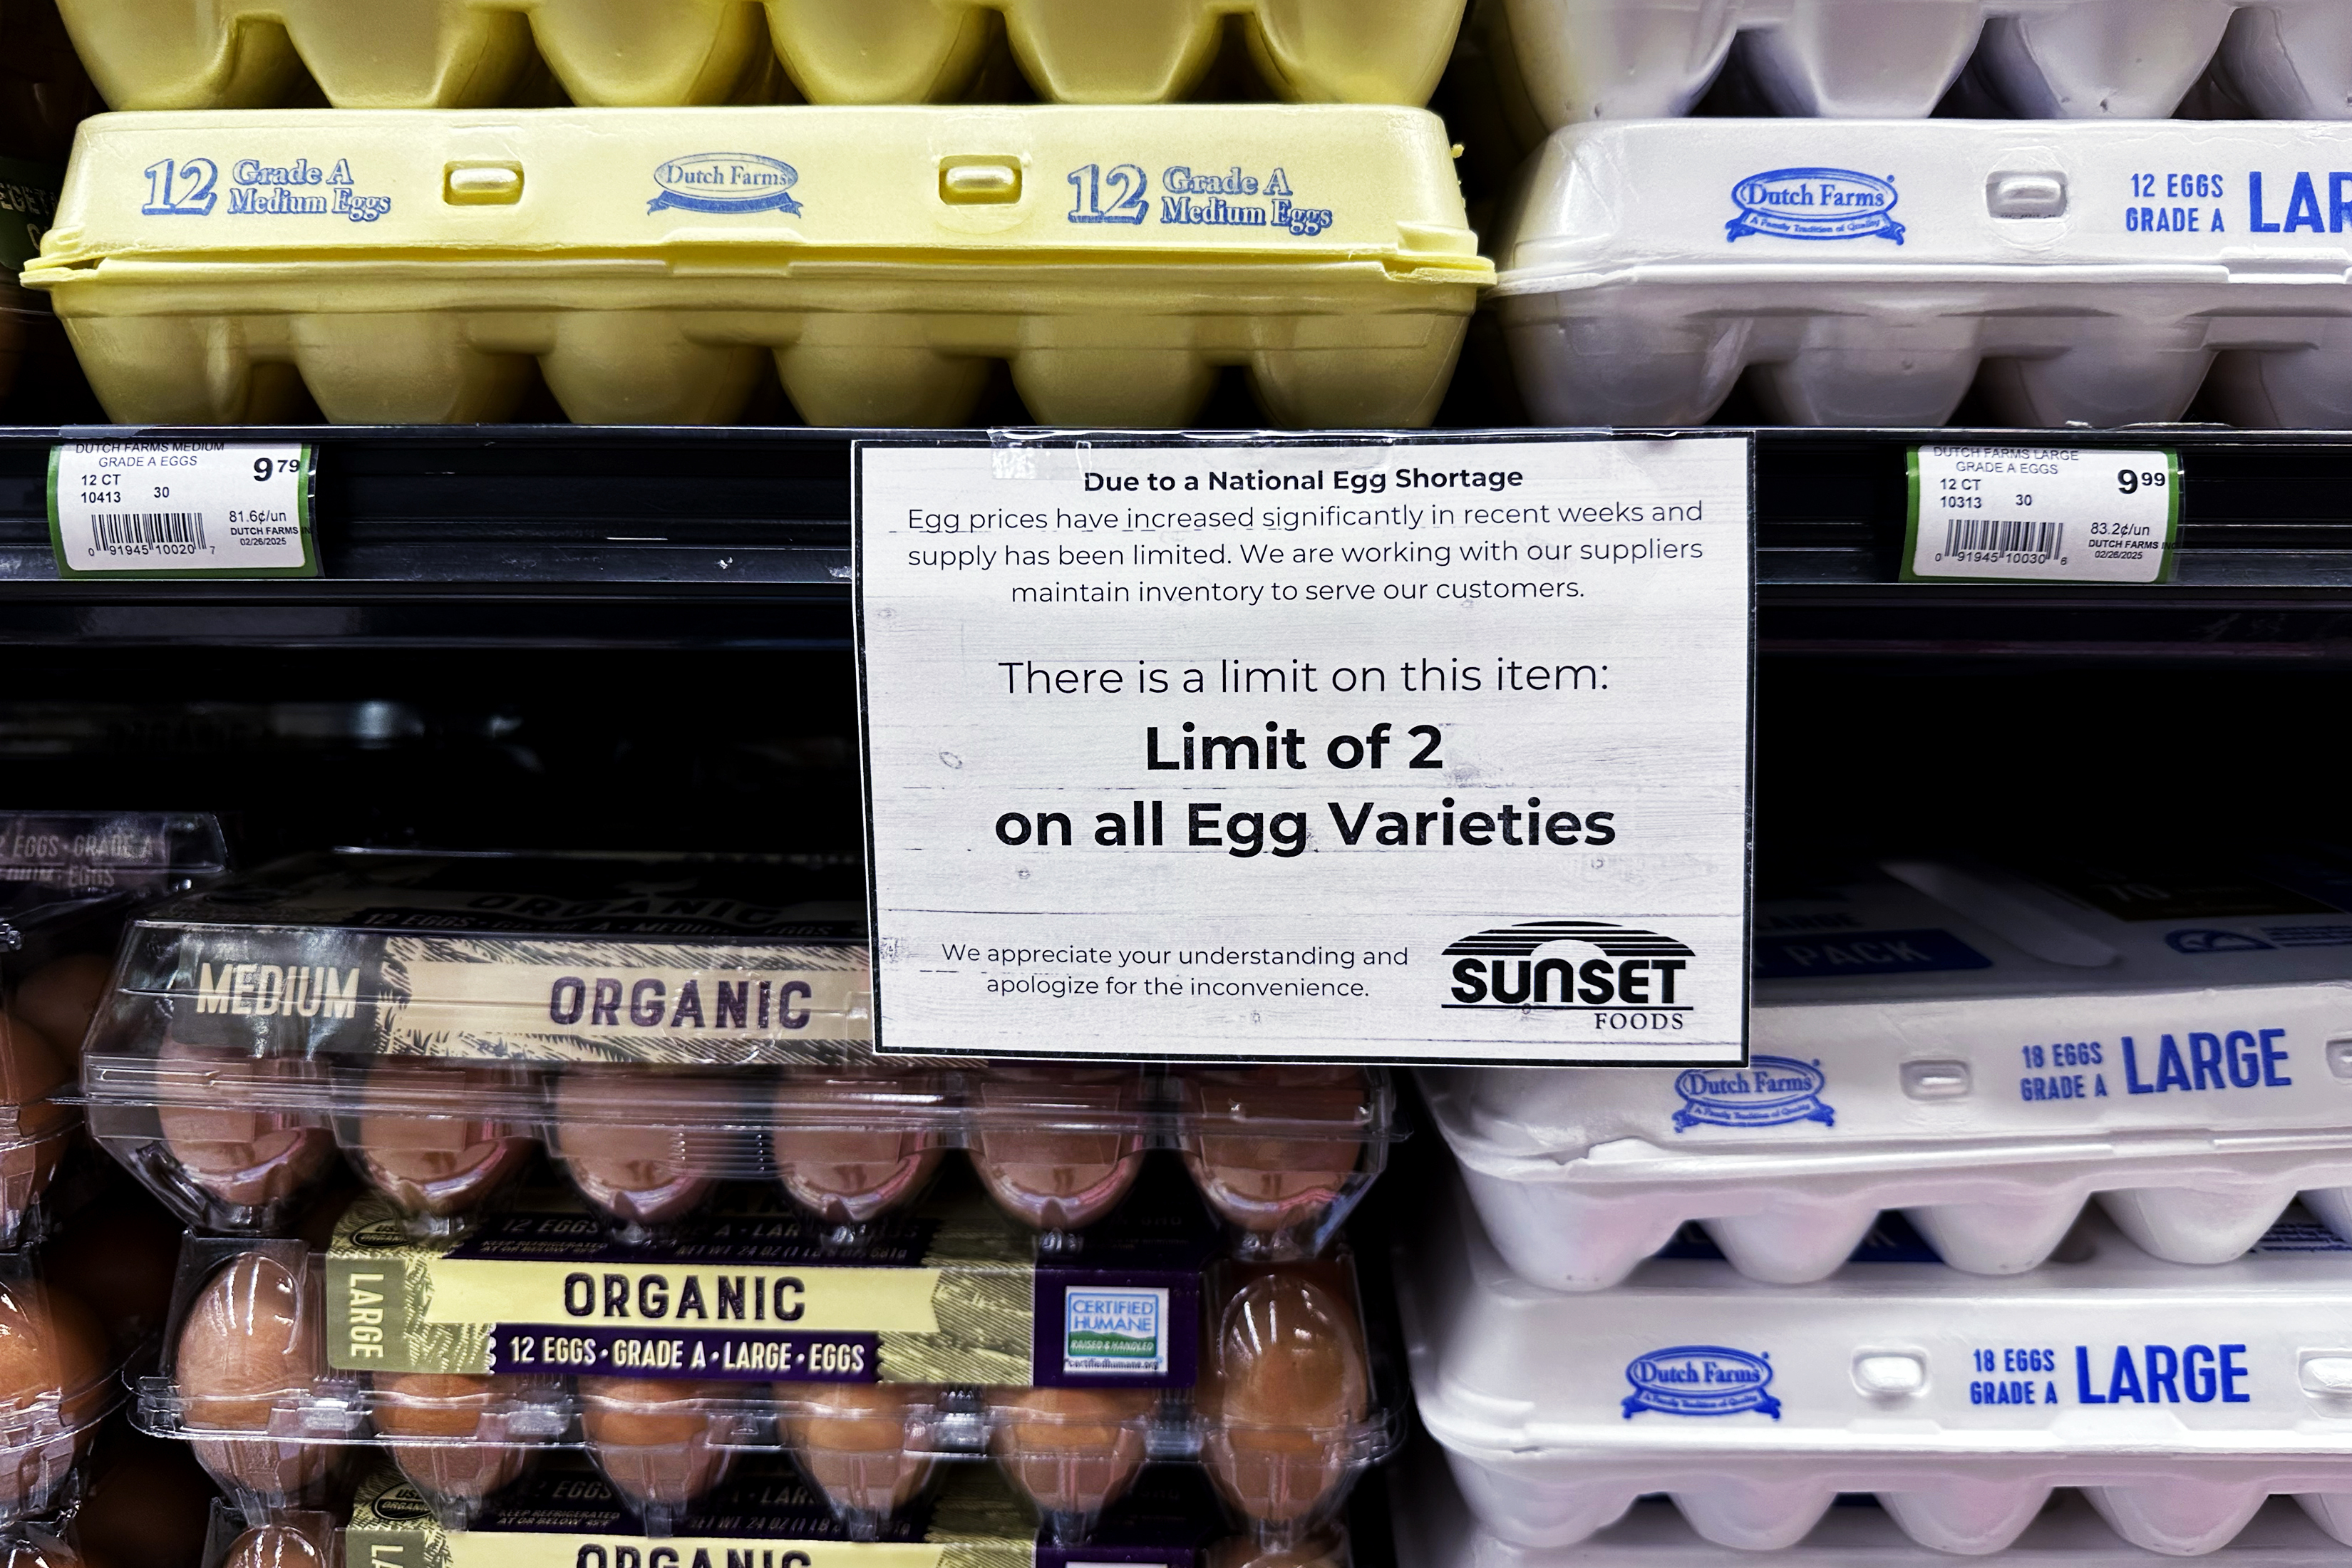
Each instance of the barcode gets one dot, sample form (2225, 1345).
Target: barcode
(131, 529)
(1985, 536)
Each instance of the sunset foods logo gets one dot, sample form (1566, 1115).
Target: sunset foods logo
(1500, 967)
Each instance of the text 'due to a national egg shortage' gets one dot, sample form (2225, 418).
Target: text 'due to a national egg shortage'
(1264, 749)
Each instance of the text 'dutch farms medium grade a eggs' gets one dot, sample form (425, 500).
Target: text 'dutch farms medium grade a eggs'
(658, 267)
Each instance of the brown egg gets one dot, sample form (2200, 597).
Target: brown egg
(1267, 1181)
(33, 1127)
(277, 1546)
(431, 1136)
(1073, 1450)
(861, 1444)
(660, 1444)
(53, 1368)
(845, 1174)
(148, 1506)
(644, 1145)
(255, 1337)
(119, 1255)
(465, 1448)
(42, 1551)
(61, 996)
(1283, 1382)
(234, 1134)
(1315, 1551)
(1053, 1178)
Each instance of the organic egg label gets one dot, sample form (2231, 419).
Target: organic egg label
(172, 509)
(2041, 514)
(1407, 748)
(948, 1292)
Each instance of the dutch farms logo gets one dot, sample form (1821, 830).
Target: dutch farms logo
(1814, 203)
(1700, 1380)
(1499, 968)
(1769, 1091)
(726, 183)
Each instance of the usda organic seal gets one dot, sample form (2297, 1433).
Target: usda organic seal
(1814, 203)
(1700, 1380)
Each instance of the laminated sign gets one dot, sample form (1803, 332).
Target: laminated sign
(1421, 749)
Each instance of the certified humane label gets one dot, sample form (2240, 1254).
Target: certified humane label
(2046, 514)
(1415, 750)
(226, 508)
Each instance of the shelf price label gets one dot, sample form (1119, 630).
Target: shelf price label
(175, 509)
(1307, 748)
(2041, 514)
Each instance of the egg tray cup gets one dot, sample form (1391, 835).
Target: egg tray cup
(1570, 61)
(1876, 271)
(1435, 1528)
(1753, 1406)
(457, 54)
(880, 272)
(240, 1145)
(870, 1450)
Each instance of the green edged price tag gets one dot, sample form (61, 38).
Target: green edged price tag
(182, 509)
(2041, 514)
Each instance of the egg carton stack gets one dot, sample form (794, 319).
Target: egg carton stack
(664, 248)
(2108, 1106)
(68, 882)
(1862, 263)
(773, 1247)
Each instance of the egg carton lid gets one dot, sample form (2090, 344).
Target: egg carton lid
(296, 199)
(1435, 1529)
(1898, 1009)
(1934, 204)
(1168, 1517)
(2103, 1358)
(54, 864)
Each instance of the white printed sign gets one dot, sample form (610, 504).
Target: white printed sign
(2041, 514)
(1408, 750)
(136, 507)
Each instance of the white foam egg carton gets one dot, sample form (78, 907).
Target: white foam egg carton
(2178, 1400)
(1981, 1049)
(1869, 272)
(2046, 60)
(1435, 1529)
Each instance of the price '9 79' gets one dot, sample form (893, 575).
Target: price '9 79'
(2132, 480)
(263, 467)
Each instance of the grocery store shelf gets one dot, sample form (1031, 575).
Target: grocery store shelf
(557, 535)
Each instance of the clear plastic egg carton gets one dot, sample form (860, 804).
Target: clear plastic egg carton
(1981, 1049)
(287, 1365)
(61, 1376)
(652, 266)
(652, 54)
(762, 1516)
(1570, 61)
(443, 1022)
(2179, 1400)
(1872, 272)
(68, 882)
(1435, 1529)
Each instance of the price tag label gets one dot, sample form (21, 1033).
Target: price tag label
(1426, 750)
(171, 509)
(2041, 514)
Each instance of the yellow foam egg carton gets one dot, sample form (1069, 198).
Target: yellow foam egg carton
(455, 54)
(412, 266)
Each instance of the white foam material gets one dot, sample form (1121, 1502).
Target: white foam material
(1906, 1054)
(1868, 272)
(2178, 1400)
(2069, 59)
(1434, 1529)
